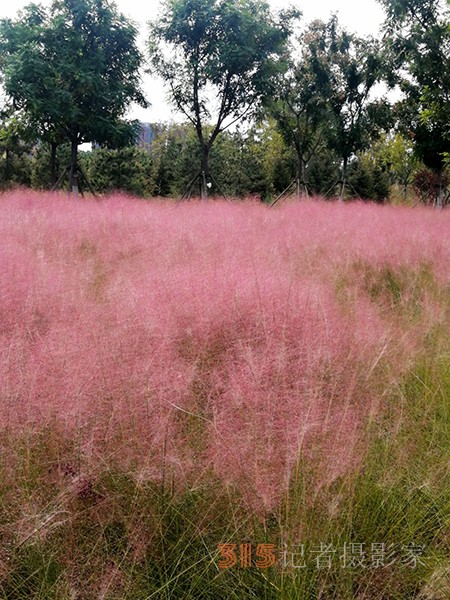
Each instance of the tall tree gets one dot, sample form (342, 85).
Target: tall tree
(356, 66)
(25, 72)
(300, 106)
(218, 58)
(417, 34)
(74, 68)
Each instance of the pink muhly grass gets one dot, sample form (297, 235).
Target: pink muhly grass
(191, 338)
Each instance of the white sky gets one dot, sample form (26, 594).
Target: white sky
(363, 17)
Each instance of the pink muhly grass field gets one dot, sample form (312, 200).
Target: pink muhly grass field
(223, 340)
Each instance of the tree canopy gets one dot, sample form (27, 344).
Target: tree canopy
(73, 69)
(356, 66)
(418, 37)
(300, 103)
(219, 58)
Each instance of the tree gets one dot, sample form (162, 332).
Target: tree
(368, 177)
(126, 169)
(324, 170)
(356, 65)
(396, 154)
(428, 185)
(16, 140)
(418, 38)
(74, 69)
(24, 72)
(218, 58)
(238, 160)
(301, 103)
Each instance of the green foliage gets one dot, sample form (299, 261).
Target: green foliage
(241, 164)
(236, 161)
(15, 169)
(418, 39)
(175, 155)
(15, 149)
(219, 59)
(165, 153)
(368, 179)
(278, 159)
(301, 104)
(126, 169)
(323, 172)
(397, 156)
(73, 69)
(325, 101)
(41, 176)
(356, 65)
(446, 156)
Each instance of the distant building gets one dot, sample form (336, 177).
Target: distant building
(147, 134)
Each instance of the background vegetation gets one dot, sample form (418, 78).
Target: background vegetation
(270, 102)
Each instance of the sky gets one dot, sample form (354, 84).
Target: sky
(363, 18)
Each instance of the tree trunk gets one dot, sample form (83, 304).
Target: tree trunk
(7, 164)
(300, 175)
(204, 176)
(53, 147)
(343, 180)
(405, 190)
(301, 184)
(305, 177)
(73, 176)
(440, 193)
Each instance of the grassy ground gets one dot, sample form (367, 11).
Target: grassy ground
(183, 381)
